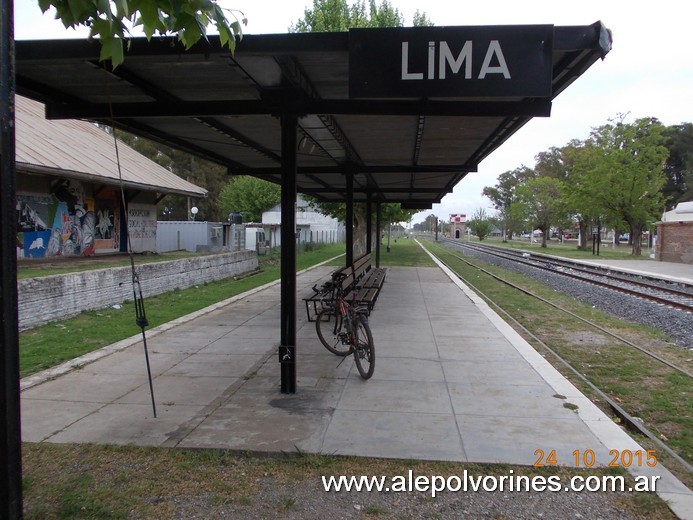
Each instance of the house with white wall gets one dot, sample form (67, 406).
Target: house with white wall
(311, 225)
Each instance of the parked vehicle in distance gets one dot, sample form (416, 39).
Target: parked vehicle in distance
(567, 235)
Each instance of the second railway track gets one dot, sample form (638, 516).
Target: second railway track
(678, 295)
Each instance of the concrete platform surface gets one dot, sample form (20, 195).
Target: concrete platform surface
(452, 382)
(667, 270)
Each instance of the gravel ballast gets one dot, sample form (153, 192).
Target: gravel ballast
(675, 323)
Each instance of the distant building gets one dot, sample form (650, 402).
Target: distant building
(311, 226)
(457, 225)
(69, 200)
(675, 235)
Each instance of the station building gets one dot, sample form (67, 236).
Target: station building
(675, 235)
(69, 199)
(457, 225)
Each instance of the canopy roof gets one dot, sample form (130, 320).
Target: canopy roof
(407, 112)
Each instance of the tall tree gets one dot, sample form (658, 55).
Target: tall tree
(203, 173)
(552, 163)
(504, 194)
(679, 166)
(480, 224)
(110, 22)
(338, 16)
(541, 200)
(624, 167)
(577, 156)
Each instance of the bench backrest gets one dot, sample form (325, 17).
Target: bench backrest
(345, 277)
(346, 282)
(362, 265)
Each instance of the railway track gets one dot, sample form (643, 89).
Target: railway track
(673, 294)
(614, 403)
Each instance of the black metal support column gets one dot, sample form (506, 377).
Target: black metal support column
(287, 345)
(369, 224)
(350, 218)
(10, 425)
(378, 224)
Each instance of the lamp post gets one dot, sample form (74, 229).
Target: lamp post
(194, 211)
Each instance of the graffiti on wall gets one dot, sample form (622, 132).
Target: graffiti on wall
(142, 227)
(106, 235)
(65, 222)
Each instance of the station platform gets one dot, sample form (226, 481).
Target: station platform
(452, 382)
(667, 270)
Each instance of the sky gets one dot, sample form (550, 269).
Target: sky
(648, 73)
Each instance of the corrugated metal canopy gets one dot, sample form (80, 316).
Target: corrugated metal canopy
(80, 150)
(410, 148)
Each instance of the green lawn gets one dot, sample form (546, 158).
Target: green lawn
(63, 265)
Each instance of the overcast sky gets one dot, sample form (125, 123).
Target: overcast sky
(649, 71)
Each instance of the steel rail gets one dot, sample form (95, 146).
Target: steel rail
(637, 293)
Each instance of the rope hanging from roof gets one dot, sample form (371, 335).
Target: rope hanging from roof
(138, 299)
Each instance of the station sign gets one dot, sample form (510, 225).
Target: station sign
(444, 62)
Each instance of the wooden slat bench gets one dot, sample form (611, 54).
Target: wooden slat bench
(360, 281)
(369, 281)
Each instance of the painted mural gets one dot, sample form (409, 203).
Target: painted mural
(65, 222)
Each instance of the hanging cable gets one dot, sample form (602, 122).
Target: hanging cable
(138, 299)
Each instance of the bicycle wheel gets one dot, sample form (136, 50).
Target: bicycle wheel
(364, 353)
(328, 325)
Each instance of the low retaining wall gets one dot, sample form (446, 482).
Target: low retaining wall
(50, 298)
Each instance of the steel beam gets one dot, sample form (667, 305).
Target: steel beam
(287, 340)
(349, 218)
(10, 423)
(369, 223)
(378, 225)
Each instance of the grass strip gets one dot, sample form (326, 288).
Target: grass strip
(87, 481)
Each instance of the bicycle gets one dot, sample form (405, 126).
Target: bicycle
(343, 329)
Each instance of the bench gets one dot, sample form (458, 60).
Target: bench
(360, 281)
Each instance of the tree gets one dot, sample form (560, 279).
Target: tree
(481, 225)
(679, 166)
(541, 201)
(430, 224)
(503, 196)
(337, 16)
(209, 175)
(250, 196)
(624, 173)
(579, 157)
(552, 163)
(421, 20)
(110, 21)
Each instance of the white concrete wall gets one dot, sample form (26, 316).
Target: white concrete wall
(175, 235)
